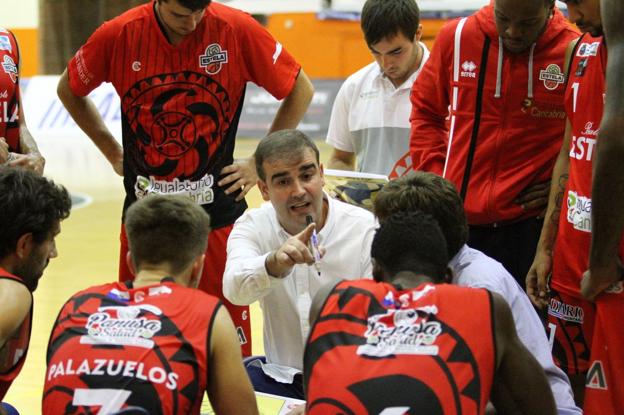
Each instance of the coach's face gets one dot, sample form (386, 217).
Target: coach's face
(294, 185)
(521, 23)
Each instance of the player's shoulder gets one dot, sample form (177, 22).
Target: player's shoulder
(136, 15)
(229, 16)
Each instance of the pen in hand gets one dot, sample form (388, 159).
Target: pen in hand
(314, 246)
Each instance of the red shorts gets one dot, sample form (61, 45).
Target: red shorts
(604, 387)
(211, 280)
(571, 324)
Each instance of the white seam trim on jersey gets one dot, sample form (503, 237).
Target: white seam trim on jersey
(456, 56)
(530, 87)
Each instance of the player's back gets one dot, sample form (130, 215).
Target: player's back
(113, 347)
(428, 350)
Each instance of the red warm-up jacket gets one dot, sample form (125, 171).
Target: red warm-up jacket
(517, 116)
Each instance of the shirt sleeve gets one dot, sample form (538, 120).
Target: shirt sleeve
(267, 63)
(90, 65)
(430, 107)
(338, 133)
(246, 279)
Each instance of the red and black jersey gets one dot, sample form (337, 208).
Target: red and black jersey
(181, 104)
(13, 352)
(9, 89)
(424, 350)
(584, 102)
(113, 347)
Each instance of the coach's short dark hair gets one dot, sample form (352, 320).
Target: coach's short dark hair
(170, 230)
(29, 203)
(410, 241)
(282, 145)
(431, 194)
(388, 18)
(192, 4)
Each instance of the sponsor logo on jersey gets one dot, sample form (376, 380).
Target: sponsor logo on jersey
(114, 368)
(10, 68)
(403, 331)
(6, 115)
(123, 325)
(200, 191)
(5, 43)
(565, 312)
(582, 148)
(552, 76)
(596, 377)
(579, 211)
(588, 49)
(213, 59)
(136, 66)
(542, 110)
(468, 69)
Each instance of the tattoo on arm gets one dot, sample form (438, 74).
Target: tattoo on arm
(563, 180)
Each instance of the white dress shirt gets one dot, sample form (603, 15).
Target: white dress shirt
(472, 268)
(346, 236)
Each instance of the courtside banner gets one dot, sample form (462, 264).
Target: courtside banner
(45, 112)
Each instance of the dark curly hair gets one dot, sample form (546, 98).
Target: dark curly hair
(410, 241)
(29, 203)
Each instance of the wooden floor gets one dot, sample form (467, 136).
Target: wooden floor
(88, 255)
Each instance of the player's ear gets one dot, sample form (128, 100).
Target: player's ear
(130, 263)
(418, 34)
(24, 245)
(196, 271)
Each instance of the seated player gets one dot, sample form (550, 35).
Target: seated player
(436, 196)
(156, 342)
(408, 343)
(31, 209)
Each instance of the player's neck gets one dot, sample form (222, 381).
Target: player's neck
(408, 279)
(149, 277)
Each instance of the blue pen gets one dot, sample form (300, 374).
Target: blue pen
(314, 246)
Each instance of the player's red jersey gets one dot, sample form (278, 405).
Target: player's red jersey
(181, 104)
(584, 103)
(424, 350)
(9, 90)
(13, 353)
(113, 347)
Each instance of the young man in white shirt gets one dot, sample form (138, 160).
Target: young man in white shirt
(370, 116)
(270, 258)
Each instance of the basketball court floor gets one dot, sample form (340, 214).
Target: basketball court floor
(88, 255)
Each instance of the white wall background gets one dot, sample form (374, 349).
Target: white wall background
(19, 13)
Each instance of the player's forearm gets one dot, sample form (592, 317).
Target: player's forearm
(341, 163)
(87, 117)
(555, 199)
(294, 106)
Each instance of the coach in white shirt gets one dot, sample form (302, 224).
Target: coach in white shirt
(270, 259)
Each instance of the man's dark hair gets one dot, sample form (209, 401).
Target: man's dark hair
(192, 4)
(388, 18)
(170, 230)
(282, 145)
(431, 194)
(410, 241)
(29, 203)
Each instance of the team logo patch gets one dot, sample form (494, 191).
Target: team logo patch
(5, 43)
(468, 69)
(123, 326)
(552, 76)
(588, 49)
(10, 68)
(596, 377)
(404, 331)
(213, 59)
